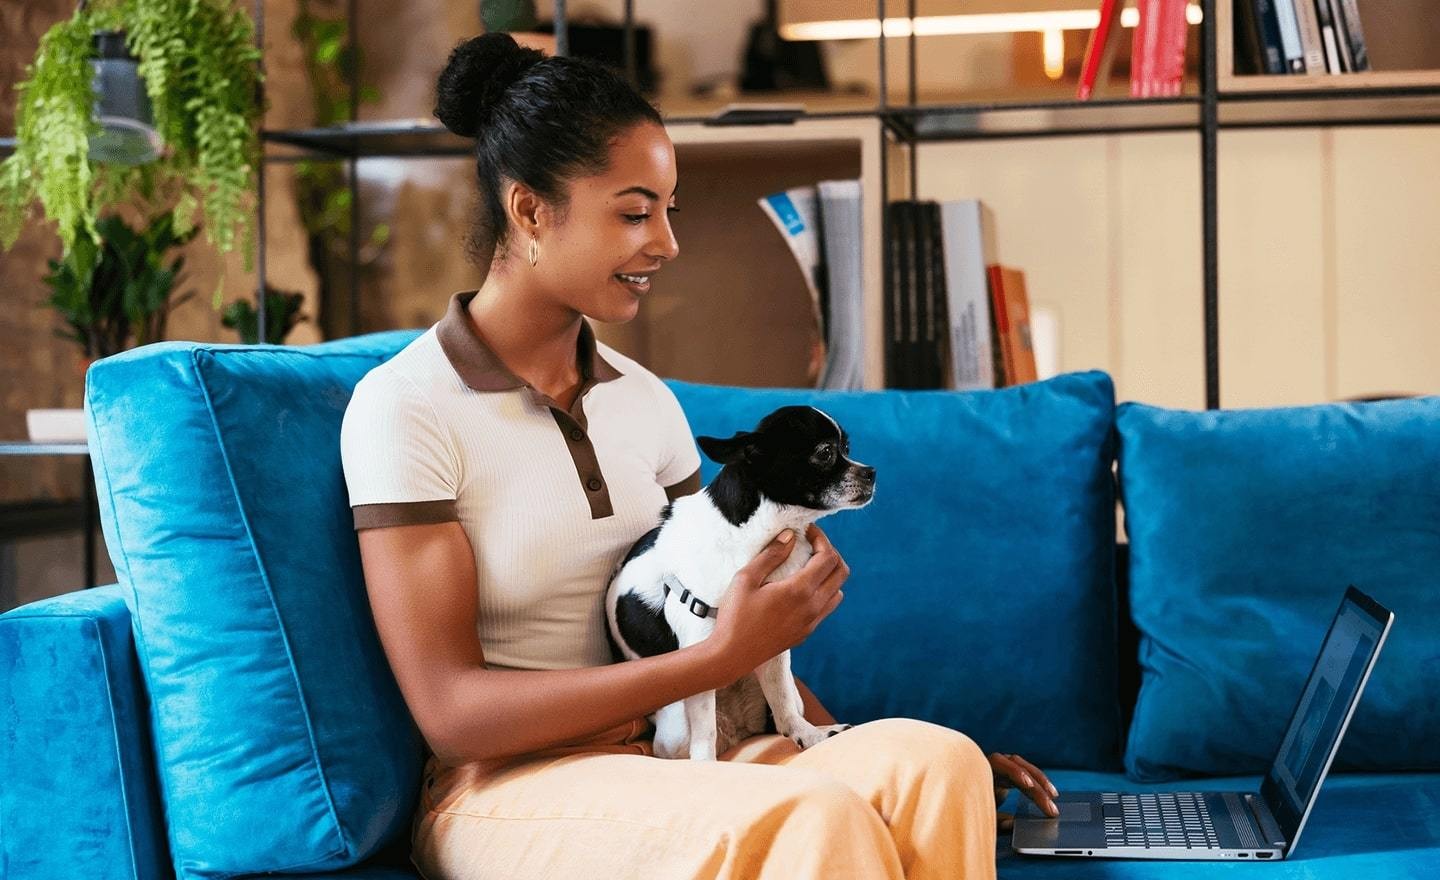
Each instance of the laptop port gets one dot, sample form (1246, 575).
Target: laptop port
(1243, 855)
(1263, 855)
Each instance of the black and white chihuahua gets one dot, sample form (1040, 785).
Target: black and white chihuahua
(793, 469)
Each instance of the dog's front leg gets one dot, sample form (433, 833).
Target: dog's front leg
(699, 710)
(700, 715)
(788, 706)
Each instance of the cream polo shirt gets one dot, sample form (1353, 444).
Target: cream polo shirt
(551, 499)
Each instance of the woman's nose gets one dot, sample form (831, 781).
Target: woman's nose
(666, 247)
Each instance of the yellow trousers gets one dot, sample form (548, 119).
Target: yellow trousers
(894, 798)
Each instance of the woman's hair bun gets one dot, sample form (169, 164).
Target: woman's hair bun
(475, 78)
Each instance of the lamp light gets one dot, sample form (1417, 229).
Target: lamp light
(855, 19)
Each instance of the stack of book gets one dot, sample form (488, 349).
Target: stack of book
(954, 317)
(1299, 36)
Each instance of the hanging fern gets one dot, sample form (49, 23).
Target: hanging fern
(201, 70)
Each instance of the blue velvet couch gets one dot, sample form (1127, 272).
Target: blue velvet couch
(225, 709)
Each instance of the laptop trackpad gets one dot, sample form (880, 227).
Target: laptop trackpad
(1070, 811)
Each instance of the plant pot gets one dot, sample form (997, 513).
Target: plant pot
(56, 425)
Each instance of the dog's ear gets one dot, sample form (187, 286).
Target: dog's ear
(739, 448)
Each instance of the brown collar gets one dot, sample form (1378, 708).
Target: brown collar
(483, 370)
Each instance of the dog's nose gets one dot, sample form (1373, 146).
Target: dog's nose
(867, 474)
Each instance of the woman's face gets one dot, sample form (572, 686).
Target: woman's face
(618, 223)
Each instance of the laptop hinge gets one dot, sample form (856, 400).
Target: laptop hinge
(1269, 829)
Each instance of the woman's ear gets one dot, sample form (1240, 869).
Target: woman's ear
(738, 448)
(524, 208)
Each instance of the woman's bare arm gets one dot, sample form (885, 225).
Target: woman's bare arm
(421, 581)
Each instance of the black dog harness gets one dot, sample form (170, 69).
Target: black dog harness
(688, 599)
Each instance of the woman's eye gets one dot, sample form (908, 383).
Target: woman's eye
(637, 219)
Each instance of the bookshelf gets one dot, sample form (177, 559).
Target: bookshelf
(869, 137)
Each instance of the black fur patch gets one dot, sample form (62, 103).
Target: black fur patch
(665, 512)
(735, 497)
(643, 545)
(645, 631)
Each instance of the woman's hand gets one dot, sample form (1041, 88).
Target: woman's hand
(1031, 780)
(759, 621)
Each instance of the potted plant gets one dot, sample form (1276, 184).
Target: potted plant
(111, 296)
(282, 313)
(200, 67)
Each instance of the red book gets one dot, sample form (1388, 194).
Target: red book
(1144, 48)
(1002, 324)
(1169, 70)
(1100, 51)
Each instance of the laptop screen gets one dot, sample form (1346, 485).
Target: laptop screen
(1330, 695)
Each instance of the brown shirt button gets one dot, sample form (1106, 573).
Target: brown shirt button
(577, 434)
(594, 484)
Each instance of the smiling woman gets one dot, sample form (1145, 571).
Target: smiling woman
(499, 467)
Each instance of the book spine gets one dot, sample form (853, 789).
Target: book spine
(1248, 54)
(1096, 50)
(1325, 17)
(1290, 44)
(892, 298)
(909, 335)
(1017, 311)
(1005, 363)
(938, 298)
(926, 336)
(1342, 45)
(1170, 67)
(1268, 28)
(1310, 42)
(1355, 35)
(1143, 48)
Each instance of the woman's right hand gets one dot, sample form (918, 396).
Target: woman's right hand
(760, 620)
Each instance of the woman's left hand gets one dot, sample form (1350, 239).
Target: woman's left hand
(1012, 771)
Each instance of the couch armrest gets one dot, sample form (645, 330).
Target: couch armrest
(78, 792)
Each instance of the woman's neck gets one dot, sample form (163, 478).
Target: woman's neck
(534, 337)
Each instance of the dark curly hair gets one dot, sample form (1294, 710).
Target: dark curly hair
(536, 119)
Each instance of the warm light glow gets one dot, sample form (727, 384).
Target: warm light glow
(938, 25)
(1054, 46)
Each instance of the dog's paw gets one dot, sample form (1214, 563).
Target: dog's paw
(666, 749)
(805, 738)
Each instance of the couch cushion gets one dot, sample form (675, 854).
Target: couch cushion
(981, 591)
(77, 774)
(283, 742)
(1362, 825)
(1245, 527)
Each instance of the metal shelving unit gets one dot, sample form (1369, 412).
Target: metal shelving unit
(1255, 105)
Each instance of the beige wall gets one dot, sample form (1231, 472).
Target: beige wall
(1328, 273)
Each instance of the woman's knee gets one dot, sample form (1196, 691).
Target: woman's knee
(928, 744)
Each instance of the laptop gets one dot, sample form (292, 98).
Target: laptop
(1230, 824)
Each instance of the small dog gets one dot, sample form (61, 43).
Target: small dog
(793, 469)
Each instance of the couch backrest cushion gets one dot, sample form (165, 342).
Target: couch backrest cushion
(282, 740)
(1245, 527)
(981, 590)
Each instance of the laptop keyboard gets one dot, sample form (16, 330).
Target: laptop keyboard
(1179, 819)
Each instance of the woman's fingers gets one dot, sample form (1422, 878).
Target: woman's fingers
(1029, 784)
(1005, 822)
(1038, 774)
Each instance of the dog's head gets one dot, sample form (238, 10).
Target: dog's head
(797, 455)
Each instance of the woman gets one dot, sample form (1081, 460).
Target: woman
(504, 461)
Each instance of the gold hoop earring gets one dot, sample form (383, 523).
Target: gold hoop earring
(534, 251)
